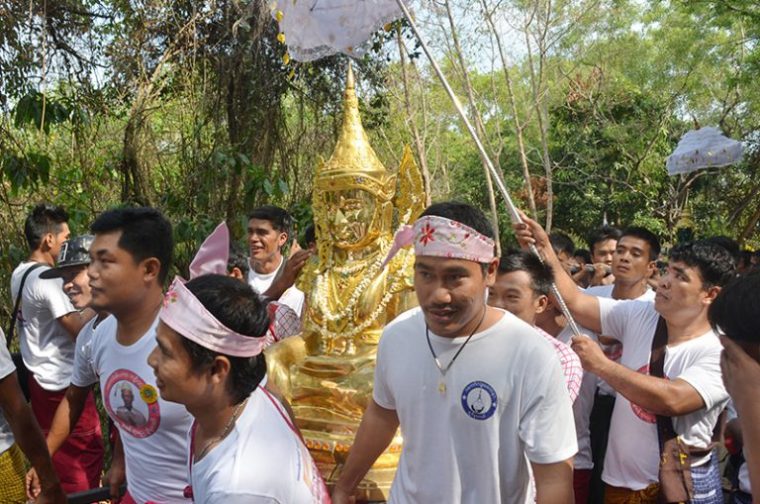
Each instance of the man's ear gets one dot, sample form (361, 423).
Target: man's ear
(542, 303)
(46, 243)
(236, 273)
(282, 239)
(490, 272)
(220, 369)
(151, 269)
(712, 293)
(651, 268)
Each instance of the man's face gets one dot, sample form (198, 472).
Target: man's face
(128, 397)
(58, 238)
(350, 214)
(681, 292)
(603, 251)
(631, 260)
(173, 368)
(451, 293)
(117, 281)
(76, 285)
(264, 241)
(513, 292)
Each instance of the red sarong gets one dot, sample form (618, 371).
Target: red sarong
(79, 461)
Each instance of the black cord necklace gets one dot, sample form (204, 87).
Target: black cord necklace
(444, 370)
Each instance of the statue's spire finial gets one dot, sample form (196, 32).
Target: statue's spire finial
(353, 162)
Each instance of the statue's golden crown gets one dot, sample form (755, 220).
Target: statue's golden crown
(354, 163)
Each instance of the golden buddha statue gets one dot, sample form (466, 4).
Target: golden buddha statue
(327, 373)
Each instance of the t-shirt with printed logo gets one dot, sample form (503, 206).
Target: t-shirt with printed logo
(153, 431)
(469, 436)
(633, 452)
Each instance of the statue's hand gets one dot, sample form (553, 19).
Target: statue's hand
(280, 357)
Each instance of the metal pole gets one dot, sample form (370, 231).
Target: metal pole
(515, 216)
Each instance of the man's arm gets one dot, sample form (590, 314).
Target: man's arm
(585, 308)
(554, 482)
(66, 416)
(29, 437)
(293, 266)
(657, 395)
(74, 321)
(375, 433)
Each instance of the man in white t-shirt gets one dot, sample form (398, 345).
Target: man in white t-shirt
(480, 399)
(269, 229)
(47, 325)
(243, 447)
(130, 258)
(633, 262)
(16, 418)
(692, 392)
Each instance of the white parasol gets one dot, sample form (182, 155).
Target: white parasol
(317, 28)
(704, 148)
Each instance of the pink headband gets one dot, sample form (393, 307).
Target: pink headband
(441, 237)
(185, 314)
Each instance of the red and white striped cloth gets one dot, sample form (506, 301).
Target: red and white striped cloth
(571, 364)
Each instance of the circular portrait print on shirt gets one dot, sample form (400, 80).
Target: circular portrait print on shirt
(132, 403)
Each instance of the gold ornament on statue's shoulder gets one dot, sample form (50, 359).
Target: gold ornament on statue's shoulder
(327, 373)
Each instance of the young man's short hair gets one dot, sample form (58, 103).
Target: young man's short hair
(521, 260)
(309, 236)
(646, 235)
(562, 243)
(240, 309)
(238, 259)
(583, 254)
(736, 309)
(715, 263)
(601, 234)
(278, 217)
(145, 233)
(731, 245)
(43, 219)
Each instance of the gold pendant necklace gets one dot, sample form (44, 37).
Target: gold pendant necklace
(444, 370)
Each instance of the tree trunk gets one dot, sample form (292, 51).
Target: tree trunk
(418, 143)
(516, 118)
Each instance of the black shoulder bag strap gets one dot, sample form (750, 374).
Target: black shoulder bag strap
(665, 429)
(676, 485)
(12, 325)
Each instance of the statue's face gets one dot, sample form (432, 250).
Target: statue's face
(349, 215)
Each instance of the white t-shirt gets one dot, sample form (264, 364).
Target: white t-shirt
(46, 347)
(633, 452)
(262, 460)
(605, 291)
(292, 297)
(505, 404)
(6, 368)
(582, 406)
(153, 431)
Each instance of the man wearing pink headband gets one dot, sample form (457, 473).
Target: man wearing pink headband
(479, 397)
(243, 447)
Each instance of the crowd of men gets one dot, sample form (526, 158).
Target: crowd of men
(501, 398)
